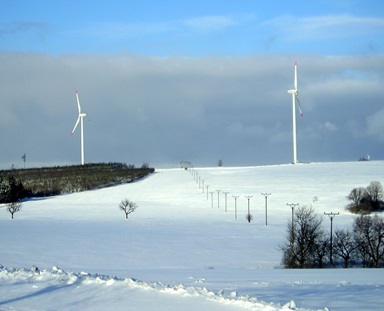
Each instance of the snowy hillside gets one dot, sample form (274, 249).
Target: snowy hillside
(180, 248)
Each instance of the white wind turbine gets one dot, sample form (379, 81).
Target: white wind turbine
(80, 118)
(295, 100)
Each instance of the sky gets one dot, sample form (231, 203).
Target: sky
(199, 81)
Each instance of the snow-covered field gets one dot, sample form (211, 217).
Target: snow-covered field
(176, 251)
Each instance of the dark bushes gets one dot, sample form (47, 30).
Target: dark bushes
(49, 181)
(366, 200)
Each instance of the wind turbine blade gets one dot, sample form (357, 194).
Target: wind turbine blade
(78, 102)
(74, 128)
(298, 105)
(295, 82)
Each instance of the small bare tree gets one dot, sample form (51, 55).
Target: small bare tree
(304, 236)
(321, 251)
(344, 246)
(13, 208)
(127, 207)
(356, 195)
(375, 191)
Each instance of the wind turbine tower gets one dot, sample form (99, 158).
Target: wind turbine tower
(80, 119)
(295, 101)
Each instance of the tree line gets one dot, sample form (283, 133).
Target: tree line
(308, 244)
(40, 182)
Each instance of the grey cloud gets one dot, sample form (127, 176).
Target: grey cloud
(164, 110)
(375, 125)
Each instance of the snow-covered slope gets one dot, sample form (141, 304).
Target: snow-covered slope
(180, 248)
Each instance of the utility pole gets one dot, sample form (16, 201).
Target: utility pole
(235, 197)
(212, 197)
(331, 216)
(225, 193)
(292, 205)
(207, 191)
(248, 197)
(202, 181)
(266, 206)
(218, 198)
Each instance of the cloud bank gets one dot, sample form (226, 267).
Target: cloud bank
(165, 110)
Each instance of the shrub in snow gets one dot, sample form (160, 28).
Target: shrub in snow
(249, 217)
(127, 207)
(13, 208)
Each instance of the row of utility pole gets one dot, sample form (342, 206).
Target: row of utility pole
(200, 182)
(205, 189)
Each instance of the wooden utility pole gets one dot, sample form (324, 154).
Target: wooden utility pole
(293, 205)
(235, 197)
(266, 206)
(331, 216)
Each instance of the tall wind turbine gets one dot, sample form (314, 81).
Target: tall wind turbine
(295, 100)
(80, 119)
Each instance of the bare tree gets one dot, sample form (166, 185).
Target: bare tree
(375, 191)
(344, 246)
(127, 207)
(356, 196)
(321, 250)
(303, 238)
(375, 195)
(13, 208)
(369, 236)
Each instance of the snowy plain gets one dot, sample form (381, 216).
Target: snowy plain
(181, 249)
